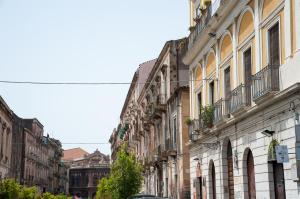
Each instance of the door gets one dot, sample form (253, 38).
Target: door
(274, 54)
(213, 183)
(247, 77)
(251, 176)
(199, 104)
(199, 188)
(230, 171)
(279, 180)
(227, 91)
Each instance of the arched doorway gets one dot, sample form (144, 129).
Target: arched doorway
(213, 180)
(251, 176)
(230, 171)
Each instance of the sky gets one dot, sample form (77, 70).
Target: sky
(80, 41)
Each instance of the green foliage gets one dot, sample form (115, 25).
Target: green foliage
(104, 188)
(188, 121)
(9, 189)
(207, 115)
(28, 193)
(271, 150)
(125, 179)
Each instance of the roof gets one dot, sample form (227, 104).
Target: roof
(144, 71)
(139, 77)
(73, 154)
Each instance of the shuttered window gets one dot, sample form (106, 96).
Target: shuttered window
(227, 82)
(274, 55)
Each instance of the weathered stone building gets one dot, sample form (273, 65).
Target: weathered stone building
(152, 123)
(17, 152)
(244, 58)
(85, 171)
(5, 139)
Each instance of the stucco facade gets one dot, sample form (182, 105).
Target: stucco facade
(243, 58)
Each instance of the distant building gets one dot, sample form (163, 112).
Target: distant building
(5, 139)
(85, 171)
(17, 149)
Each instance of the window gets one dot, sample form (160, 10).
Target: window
(273, 33)
(175, 130)
(227, 85)
(211, 93)
(248, 74)
(199, 96)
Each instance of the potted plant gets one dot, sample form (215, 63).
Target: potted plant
(207, 115)
(192, 28)
(271, 150)
(188, 122)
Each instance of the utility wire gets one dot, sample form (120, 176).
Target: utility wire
(81, 143)
(85, 83)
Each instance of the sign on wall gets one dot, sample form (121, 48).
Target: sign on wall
(282, 154)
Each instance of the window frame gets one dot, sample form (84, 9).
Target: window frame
(269, 26)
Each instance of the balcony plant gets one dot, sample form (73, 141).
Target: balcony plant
(188, 122)
(192, 28)
(207, 115)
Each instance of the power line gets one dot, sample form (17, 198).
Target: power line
(85, 83)
(80, 143)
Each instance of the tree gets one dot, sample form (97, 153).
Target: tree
(125, 179)
(104, 189)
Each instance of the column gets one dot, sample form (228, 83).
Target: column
(217, 69)
(204, 82)
(257, 36)
(234, 44)
(297, 16)
(287, 28)
(191, 93)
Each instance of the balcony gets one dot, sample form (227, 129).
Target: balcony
(265, 83)
(155, 110)
(201, 23)
(195, 129)
(240, 98)
(170, 147)
(221, 111)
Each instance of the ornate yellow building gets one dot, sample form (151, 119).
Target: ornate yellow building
(244, 59)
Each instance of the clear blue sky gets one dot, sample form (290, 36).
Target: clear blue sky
(80, 41)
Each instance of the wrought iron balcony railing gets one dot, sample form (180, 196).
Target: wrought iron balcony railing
(265, 82)
(240, 97)
(170, 147)
(201, 23)
(195, 128)
(221, 110)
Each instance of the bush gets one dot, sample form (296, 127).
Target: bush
(29, 193)
(207, 115)
(9, 189)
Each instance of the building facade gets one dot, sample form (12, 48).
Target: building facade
(152, 123)
(41, 159)
(5, 139)
(243, 59)
(17, 150)
(85, 173)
